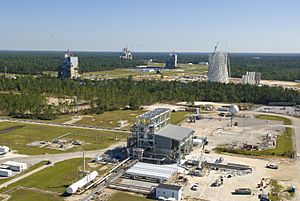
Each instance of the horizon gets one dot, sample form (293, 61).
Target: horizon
(178, 52)
(190, 26)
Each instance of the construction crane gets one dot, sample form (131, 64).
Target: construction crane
(216, 47)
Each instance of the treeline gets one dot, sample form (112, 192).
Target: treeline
(26, 106)
(39, 62)
(272, 66)
(114, 94)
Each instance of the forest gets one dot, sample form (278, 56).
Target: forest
(25, 96)
(272, 66)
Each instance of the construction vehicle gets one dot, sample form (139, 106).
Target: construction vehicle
(218, 182)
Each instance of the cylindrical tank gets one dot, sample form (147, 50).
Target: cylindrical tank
(234, 109)
(82, 182)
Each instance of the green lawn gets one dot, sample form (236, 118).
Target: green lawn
(120, 196)
(54, 178)
(189, 70)
(18, 138)
(28, 195)
(284, 146)
(110, 119)
(274, 118)
(116, 73)
(177, 117)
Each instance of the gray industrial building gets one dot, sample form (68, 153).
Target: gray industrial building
(154, 138)
(69, 67)
(172, 61)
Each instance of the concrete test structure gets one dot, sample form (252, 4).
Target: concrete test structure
(218, 67)
(69, 67)
(172, 61)
(154, 138)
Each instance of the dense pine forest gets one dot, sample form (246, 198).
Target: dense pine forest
(272, 66)
(25, 96)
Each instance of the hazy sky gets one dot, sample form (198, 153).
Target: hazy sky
(150, 25)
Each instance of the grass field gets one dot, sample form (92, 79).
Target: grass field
(284, 146)
(188, 70)
(116, 73)
(18, 138)
(120, 196)
(54, 178)
(28, 195)
(110, 119)
(177, 117)
(274, 118)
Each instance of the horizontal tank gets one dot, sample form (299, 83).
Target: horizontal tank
(82, 182)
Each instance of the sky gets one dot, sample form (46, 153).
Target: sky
(151, 25)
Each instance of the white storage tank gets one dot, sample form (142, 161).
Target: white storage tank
(82, 182)
(16, 166)
(4, 149)
(5, 173)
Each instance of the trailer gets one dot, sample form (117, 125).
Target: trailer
(4, 149)
(16, 166)
(5, 173)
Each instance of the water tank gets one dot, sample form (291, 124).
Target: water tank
(82, 182)
(234, 109)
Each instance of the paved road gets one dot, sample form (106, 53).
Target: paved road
(63, 125)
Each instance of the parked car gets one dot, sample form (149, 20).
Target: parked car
(272, 166)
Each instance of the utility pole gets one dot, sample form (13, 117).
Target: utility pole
(83, 155)
(5, 71)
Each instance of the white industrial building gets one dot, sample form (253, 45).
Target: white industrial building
(168, 192)
(5, 173)
(206, 63)
(4, 150)
(149, 171)
(15, 166)
(252, 78)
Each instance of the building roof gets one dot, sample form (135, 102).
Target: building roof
(168, 186)
(162, 172)
(175, 132)
(13, 163)
(153, 113)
